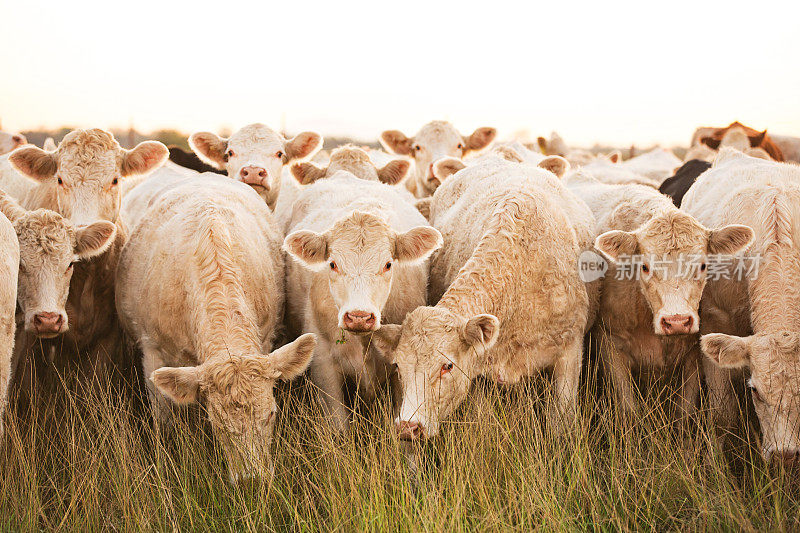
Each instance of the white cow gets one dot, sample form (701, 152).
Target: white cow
(750, 317)
(9, 267)
(359, 251)
(200, 288)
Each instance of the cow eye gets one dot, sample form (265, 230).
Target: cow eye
(755, 393)
(388, 266)
(417, 147)
(703, 267)
(446, 368)
(60, 181)
(70, 266)
(333, 265)
(278, 154)
(460, 146)
(230, 153)
(115, 181)
(645, 268)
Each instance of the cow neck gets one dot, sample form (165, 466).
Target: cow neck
(775, 291)
(224, 323)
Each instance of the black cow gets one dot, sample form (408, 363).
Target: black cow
(676, 186)
(190, 160)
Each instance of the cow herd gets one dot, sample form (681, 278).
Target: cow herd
(419, 268)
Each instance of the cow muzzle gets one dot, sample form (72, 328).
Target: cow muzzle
(253, 175)
(359, 321)
(48, 325)
(677, 325)
(409, 430)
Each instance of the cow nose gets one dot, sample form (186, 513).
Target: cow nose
(254, 176)
(359, 321)
(676, 324)
(48, 323)
(409, 430)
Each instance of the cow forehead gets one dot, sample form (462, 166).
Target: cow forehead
(256, 136)
(43, 232)
(81, 164)
(673, 232)
(427, 334)
(438, 132)
(361, 231)
(238, 380)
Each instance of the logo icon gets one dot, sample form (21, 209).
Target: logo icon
(591, 266)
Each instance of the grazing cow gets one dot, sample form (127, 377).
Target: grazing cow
(750, 319)
(359, 249)
(648, 309)
(9, 266)
(658, 164)
(498, 218)
(676, 186)
(200, 289)
(735, 137)
(255, 155)
(11, 141)
(756, 138)
(190, 160)
(434, 141)
(575, 156)
(81, 182)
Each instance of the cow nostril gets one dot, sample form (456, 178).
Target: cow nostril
(243, 173)
(262, 173)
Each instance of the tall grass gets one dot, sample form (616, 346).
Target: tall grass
(87, 459)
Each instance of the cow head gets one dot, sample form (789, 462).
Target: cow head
(772, 359)
(359, 255)
(356, 161)
(436, 140)
(237, 392)
(437, 354)
(255, 155)
(49, 246)
(11, 141)
(671, 255)
(81, 179)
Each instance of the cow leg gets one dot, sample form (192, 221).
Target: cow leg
(566, 378)
(690, 384)
(618, 363)
(159, 405)
(328, 378)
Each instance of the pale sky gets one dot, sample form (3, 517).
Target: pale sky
(613, 72)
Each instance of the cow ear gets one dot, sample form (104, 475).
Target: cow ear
(394, 171)
(711, 142)
(94, 239)
(423, 205)
(34, 162)
(758, 140)
(303, 145)
(728, 351)
(417, 244)
(143, 158)
(479, 139)
(446, 167)
(555, 164)
(10, 208)
(308, 247)
(542, 142)
(209, 147)
(307, 172)
(179, 384)
(615, 157)
(730, 239)
(386, 339)
(290, 361)
(481, 331)
(396, 142)
(49, 145)
(615, 244)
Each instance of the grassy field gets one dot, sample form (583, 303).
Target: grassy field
(87, 461)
